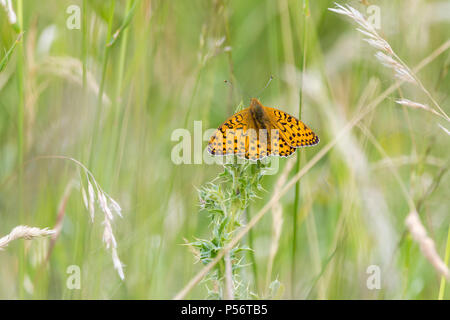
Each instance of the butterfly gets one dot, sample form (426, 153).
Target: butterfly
(258, 132)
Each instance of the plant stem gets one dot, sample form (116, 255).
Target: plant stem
(194, 91)
(420, 84)
(230, 58)
(297, 168)
(251, 253)
(95, 143)
(229, 285)
(20, 87)
(84, 58)
(118, 118)
(21, 139)
(447, 257)
(84, 48)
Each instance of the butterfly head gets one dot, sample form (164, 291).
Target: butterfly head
(257, 112)
(255, 104)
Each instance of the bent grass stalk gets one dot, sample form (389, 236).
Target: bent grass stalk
(24, 232)
(386, 55)
(412, 221)
(109, 207)
(277, 222)
(311, 163)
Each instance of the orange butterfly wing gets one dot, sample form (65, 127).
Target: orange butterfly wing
(229, 138)
(239, 135)
(278, 145)
(294, 132)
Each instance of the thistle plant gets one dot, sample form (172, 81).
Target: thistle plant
(225, 199)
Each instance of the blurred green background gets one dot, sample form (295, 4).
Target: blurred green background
(166, 70)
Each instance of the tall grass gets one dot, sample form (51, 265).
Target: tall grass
(96, 140)
(296, 207)
(447, 258)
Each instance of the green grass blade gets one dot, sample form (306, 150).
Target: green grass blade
(8, 54)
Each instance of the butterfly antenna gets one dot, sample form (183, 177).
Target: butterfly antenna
(239, 91)
(265, 87)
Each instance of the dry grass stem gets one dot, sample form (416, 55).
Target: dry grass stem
(445, 129)
(408, 160)
(385, 55)
(71, 69)
(277, 219)
(390, 165)
(412, 221)
(24, 232)
(400, 71)
(60, 217)
(419, 234)
(229, 287)
(417, 105)
(107, 204)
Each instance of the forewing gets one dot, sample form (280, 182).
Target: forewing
(230, 137)
(293, 131)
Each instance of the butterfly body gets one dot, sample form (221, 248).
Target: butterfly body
(259, 131)
(258, 115)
